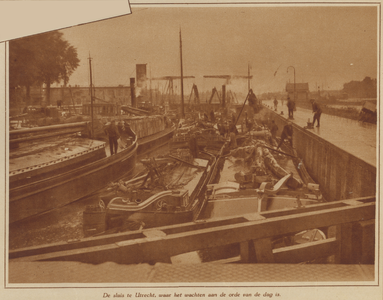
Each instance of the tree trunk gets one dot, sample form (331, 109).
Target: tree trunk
(28, 95)
(48, 93)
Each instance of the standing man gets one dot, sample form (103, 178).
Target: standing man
(275, 104)
(111, 131)
(317, 112)
(287, 133)
(290, 106)
(253, 101)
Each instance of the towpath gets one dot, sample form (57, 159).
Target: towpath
(357, 138)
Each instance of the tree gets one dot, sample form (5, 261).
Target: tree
(362, 89)
(43, 58)
(23, 65)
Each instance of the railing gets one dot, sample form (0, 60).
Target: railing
(353, 242)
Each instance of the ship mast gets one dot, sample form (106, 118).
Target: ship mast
(182, 82)
(248, 75)
(91, 96)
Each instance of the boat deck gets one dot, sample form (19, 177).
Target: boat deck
(36, 154)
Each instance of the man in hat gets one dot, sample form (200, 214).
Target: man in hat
(290, 106)
(128, 130)
(317, 112)
(275, 104)
(111, 131)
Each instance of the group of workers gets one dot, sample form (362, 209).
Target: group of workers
(287, 132)
(114, 132)
(291, 108)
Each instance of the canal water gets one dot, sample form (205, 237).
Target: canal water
(61, 224)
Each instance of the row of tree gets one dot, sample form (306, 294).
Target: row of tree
(43, 58)
(367, 88)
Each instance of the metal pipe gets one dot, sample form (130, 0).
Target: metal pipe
(43, 136)
(47, 128)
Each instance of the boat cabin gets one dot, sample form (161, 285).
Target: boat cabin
(178, 200)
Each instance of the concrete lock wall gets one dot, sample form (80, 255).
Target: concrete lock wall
(340, 174)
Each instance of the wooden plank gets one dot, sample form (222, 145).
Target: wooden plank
(230, 260)
(118, 237)
(306, 252)
(144, 250)
(317, 207)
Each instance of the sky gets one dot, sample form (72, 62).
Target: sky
(325, 46)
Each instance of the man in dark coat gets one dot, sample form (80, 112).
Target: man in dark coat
(290, 106)
(128, 130)
(275, 104)
(317, 112)
(111, 131)
(287, 133)
(253, 101)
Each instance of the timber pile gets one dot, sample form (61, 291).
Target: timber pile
(260, 163)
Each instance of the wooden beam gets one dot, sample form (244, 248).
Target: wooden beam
(344, 236)
(244, 249)
(263, 251)
(143, 250)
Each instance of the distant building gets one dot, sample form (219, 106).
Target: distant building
(81, 95)
(301, 91)
(77, 95)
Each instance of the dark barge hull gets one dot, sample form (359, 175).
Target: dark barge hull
(163, 218)
(66, 187)
(75, 179)
(151, 142)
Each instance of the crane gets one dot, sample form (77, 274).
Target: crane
(228, 78)
(169, 85)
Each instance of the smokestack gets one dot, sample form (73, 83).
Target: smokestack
(141, 76)
(132, 92)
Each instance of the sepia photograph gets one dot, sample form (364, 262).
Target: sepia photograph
(203, 150)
